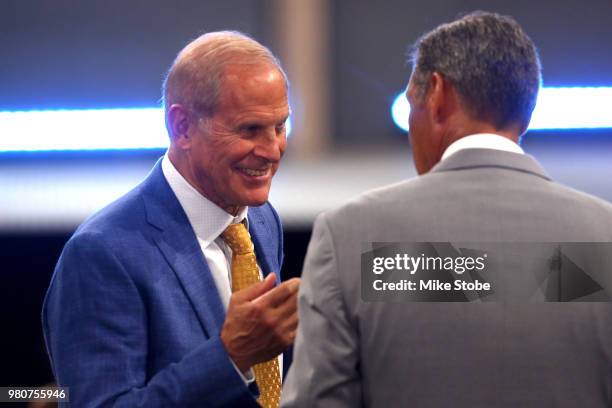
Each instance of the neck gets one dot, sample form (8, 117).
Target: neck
(233, 210)
(473, 128)
(180, 163)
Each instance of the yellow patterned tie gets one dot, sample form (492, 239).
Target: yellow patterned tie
(244, 274)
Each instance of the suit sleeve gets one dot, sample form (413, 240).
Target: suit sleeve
(95, 325)
(325, 370)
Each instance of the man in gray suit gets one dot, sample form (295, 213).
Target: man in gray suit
(472, 91)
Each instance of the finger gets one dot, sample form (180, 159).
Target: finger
(289, 337)
(280, 294)
(289, 324)
(256, 290)
(287, 307)
(292, 322)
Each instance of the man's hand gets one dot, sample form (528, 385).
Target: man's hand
(261, 321)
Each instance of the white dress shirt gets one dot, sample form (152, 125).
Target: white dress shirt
(208, 222)
(483, 141)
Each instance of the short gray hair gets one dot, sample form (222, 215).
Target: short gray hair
(491, 62)
(195, 77)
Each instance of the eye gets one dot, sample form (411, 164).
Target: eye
(250, 129)
(280, 127)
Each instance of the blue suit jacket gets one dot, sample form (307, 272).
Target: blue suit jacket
(132, 316)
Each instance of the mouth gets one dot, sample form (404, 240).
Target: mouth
(254, 173)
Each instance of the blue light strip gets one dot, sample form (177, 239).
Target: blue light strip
(82, 130)
(93, 129)
(557, 108)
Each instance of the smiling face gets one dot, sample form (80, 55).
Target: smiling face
(235, 153)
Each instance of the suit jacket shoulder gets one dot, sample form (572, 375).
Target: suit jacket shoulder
(477, 187)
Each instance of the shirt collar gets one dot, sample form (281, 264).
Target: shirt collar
(483, 141)
(206, 218)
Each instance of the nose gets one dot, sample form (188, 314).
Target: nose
(270, 146)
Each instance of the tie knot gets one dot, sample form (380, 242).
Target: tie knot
(237, 237)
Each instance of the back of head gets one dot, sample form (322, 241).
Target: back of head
(195, 78)
(491, 62)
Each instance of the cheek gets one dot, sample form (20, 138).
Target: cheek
(238, 149)
(282, 145)
(416, 123)
(230, 154)
(413, 130)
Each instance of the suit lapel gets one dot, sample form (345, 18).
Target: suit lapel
(179, 245)
(182, 251)
(264, 243)
(265, 249)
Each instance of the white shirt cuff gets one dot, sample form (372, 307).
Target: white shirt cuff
(248, 377)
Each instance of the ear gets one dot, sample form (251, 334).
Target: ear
(438, 97)
(178, 122)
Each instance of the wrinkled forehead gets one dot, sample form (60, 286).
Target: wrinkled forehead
(253, 91)
(242, 73)
(251, 83)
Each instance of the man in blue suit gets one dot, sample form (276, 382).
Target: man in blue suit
(140, 311)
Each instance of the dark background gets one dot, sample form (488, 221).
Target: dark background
(77, 54)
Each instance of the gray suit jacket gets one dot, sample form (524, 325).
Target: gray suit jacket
(351, 353)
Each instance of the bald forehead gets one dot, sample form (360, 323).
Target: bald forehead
(238, 79)
(236, 73)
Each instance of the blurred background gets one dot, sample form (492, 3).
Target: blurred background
(80, 125)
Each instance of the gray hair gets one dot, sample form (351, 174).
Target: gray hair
(195, 78)
(491, 62)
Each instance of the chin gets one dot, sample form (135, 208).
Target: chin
(257, 203)
(255, 200)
